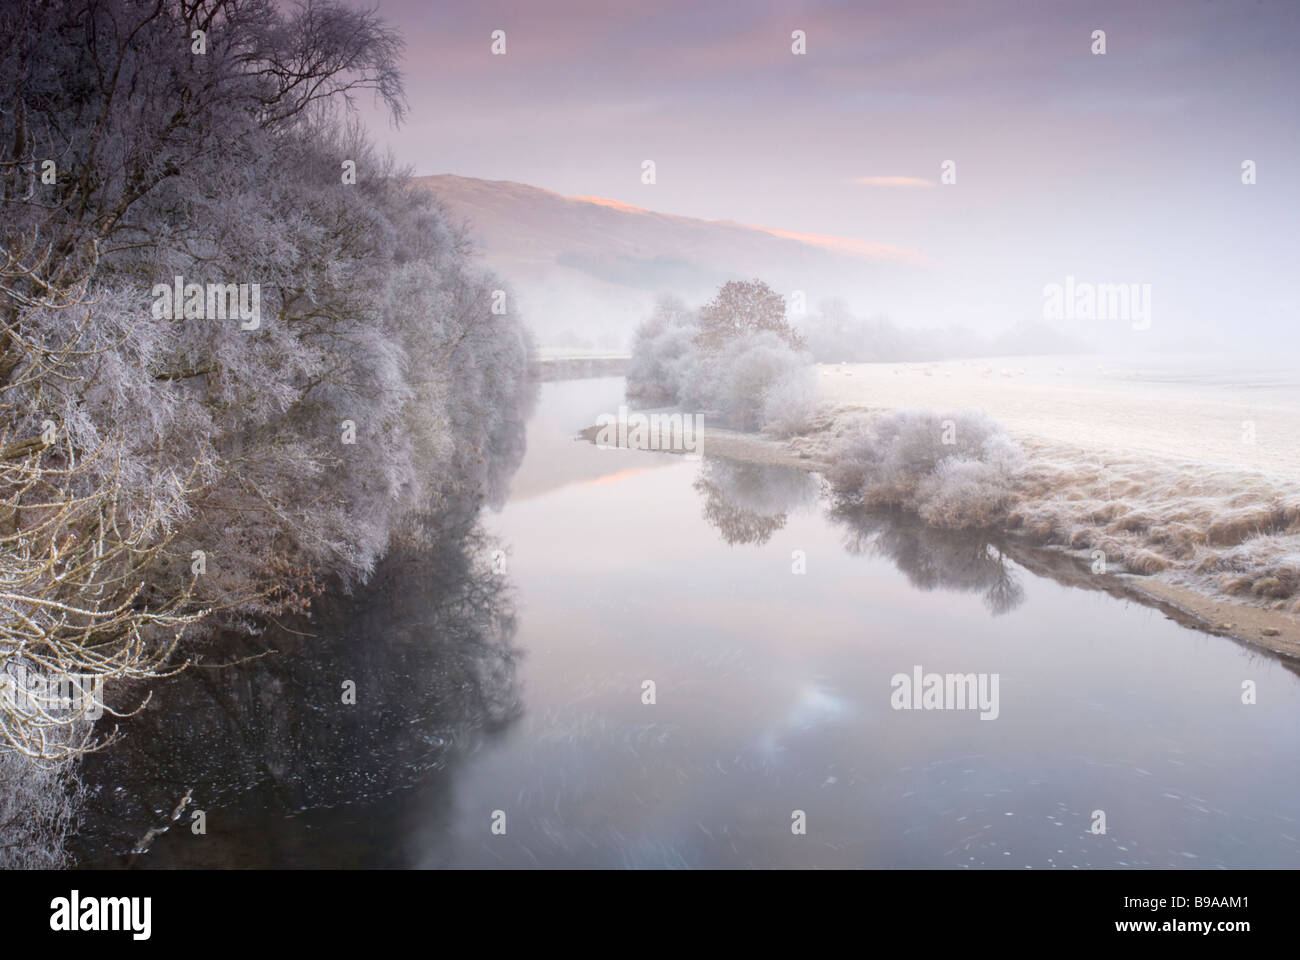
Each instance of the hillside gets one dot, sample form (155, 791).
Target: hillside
(586, 269)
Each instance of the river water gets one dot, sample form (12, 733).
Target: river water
(501, 687)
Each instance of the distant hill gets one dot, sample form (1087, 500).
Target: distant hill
(586, 269)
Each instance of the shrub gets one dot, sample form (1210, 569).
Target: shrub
(902, 460)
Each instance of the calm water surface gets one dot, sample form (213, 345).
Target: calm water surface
(520, 692)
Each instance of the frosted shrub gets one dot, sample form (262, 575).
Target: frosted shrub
(658, 344)
(902, 460)
(661, 369)
(747, 369)
(762, 377)
(964, 493)
(744, 378)
(789, 402)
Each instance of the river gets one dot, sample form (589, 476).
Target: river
(501, 715)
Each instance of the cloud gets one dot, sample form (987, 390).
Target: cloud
(606, 202)
(894, 182)
(846, 246)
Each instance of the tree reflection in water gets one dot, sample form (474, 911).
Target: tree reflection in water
(965, 561)
(748, 502)
(286, 771)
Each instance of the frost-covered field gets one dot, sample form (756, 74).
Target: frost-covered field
(1198, 408)
(1183, 467)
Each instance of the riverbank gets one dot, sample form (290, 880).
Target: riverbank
(549, 368)
(1274, 630)
(1188, 485)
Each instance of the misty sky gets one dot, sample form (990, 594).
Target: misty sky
(1117, 168)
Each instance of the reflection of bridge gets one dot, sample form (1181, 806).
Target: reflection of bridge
(580, 368)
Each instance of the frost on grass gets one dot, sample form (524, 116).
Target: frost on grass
(1218, 530)
(956, 470)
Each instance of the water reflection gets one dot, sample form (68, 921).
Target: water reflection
(273, 754)
(748, 502)
(773, 694)
(963, 561)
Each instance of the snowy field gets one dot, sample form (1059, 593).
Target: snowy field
(1182, 469)
(1198, 408)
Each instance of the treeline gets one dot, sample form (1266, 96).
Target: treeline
(834, 335)
(747, 360)
(161, 476)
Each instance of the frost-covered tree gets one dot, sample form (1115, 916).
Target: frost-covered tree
(763, 384)
(38, 809)
(736, 358)
(742, 308)
(664, 354)
(160, 471)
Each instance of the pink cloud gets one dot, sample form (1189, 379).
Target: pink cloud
(848, 246)
(894, 182)
(606, 202)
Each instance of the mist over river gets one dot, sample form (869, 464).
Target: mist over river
(507, 689)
